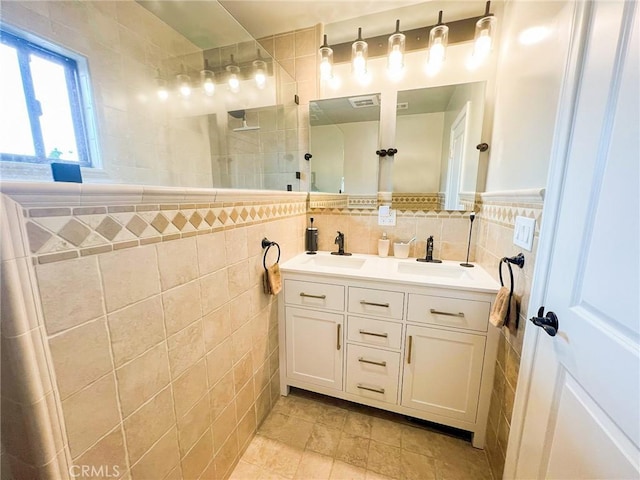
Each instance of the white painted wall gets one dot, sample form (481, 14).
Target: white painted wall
(360, 159)
(419, 141)
(527, 88)
(327, 145)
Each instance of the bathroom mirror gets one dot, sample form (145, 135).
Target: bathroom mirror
(437, 131)
(343, 141)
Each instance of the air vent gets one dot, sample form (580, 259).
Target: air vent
(403, 106)
(364, 101)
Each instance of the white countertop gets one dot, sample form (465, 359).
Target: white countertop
(447, 274)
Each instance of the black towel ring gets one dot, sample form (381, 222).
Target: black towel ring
(519, 261)
(267, 244)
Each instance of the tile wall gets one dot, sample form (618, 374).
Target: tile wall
(496, 220)
(161, 349)
(296, 52)
(450, 231)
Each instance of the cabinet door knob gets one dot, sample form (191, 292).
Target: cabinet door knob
(409, 349)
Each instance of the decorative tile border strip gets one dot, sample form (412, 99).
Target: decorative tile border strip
(326, 200)
(503, 207)
(417, 201)
(62, 233)
(363, 201)
(63, 221)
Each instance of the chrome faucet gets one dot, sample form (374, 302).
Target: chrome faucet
(429, 253)
(340, 242)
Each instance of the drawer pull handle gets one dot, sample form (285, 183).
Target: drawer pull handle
(338, 345)
(376, 390)
(409, 349)
(374, 304)
(372, 362)
(321, 297)
(373, 334)
(449, 314)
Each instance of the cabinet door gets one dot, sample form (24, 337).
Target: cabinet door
(314, 342)
(442, 372)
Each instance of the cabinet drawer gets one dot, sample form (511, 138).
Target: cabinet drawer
(373, 373)
(447, 311)
(374, 332)
(311, 294)
(366, 301)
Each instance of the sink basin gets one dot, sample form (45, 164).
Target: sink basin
(336, 261)
(433, 270)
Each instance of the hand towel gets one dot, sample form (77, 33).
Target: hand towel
(512, 321)
(505, 311)
(273, 279)
(500, 306)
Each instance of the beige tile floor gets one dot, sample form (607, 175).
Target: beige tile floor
(308, 436)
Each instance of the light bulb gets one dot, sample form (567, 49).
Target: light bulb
(483, 39)
(208, 84)
(359, 53)
(438, 39)
(184, 85)
(260, 68)
(395, 52)
(326, 70)
(234, 83)
(396, 62)
(359, 65)
(209, 87)
(326, 61)
(261, 80)
(163, 93)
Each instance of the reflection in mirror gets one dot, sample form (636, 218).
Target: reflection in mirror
(344, 138)
(437, 130)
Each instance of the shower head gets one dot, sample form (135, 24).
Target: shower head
(242, 114)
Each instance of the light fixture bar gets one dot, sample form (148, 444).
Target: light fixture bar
(416, 39)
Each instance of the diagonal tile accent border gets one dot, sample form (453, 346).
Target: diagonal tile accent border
(100, 229)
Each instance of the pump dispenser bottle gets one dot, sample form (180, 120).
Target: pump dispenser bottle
(383, 246)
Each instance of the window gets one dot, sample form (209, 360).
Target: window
(41, 108)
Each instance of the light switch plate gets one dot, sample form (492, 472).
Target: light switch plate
(523, 232)
(386, 216)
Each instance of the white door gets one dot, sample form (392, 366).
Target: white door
(457, 145)
(442, 372)
(314, 342)
(577, 410)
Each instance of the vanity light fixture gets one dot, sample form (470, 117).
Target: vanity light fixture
(207, 78)
(395, 52)
(233, 81)
(483, 38)
(326, 61)
(438, 40)
(260, 71)
(359, 54)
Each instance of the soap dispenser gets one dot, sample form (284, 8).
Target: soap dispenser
(383, 245)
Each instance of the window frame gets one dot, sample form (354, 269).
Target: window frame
(26, 45)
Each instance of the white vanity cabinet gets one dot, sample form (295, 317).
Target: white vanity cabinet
(420, 350)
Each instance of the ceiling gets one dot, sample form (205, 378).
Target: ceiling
(210, 24)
